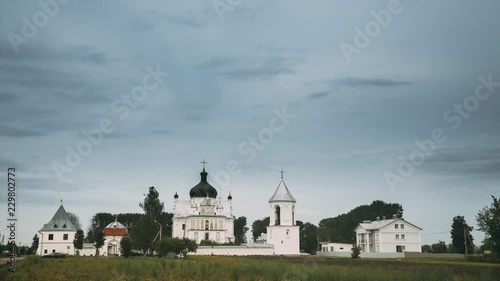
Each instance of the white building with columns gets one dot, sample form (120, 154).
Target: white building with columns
(57, 235)
(389, 236)
(205, 215)
(282, 231)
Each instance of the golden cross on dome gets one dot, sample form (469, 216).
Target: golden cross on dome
(204, 162)
(282, 172)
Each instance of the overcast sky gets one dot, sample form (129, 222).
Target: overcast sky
(252, 88)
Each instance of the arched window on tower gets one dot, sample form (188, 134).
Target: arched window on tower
(277, 214)
(207, 224)
(206, 236)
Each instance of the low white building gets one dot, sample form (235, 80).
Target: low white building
(335, 247)
(57, 235)
(388, 236)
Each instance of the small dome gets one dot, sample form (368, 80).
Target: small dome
(230, 197)
(118, 225)
(176, 196)
(203, 189)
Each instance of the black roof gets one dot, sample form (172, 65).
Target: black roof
(203, 189)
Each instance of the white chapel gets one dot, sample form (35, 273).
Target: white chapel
(205, 215)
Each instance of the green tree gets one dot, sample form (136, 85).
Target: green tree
(75, 220)
(78, 241)
(240, 230)
(340, 229)
(147, 229)
(259, 227)
(175, 245)
(126, 247)
(97, 224)
(356, 251)
(99, 241)
(488, 220)
(308, 237)
(152, 206)
(460, 231)
(34, 244)
(439, 247)
(426, 248)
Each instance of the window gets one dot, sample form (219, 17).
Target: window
(402, 236)
(400, 249)
(51, 236)
(207, 224)
(65, 236)
(45, 251)
(64, 226)
(288, 232)
(67, 247)
(342, 248)
(396, 226)
(397, 236)
(183, 227)
(206, 236)
(402, 226)
(53, 250)
(277, 214)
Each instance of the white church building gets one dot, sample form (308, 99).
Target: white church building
(57, 235)
(282, 231)
(204, 216)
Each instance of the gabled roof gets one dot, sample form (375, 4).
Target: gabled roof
(282, 194)
(376, 225)
(59, 222)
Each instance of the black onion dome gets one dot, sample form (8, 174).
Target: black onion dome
(203, 189)
(230, 197)
(176, 196)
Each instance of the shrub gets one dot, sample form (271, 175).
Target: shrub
(126, 247)
(356, 250)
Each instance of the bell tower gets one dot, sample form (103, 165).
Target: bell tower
(282, 231)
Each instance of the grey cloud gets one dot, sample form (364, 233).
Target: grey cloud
(162, 132)
(215, 62)
(366, 82)
(8, 131)
(6, 98)
(267, 70)
(316, 95)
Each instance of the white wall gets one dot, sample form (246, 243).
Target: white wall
(336, 247)
(57, 244)
(284, 238)
(246, 250)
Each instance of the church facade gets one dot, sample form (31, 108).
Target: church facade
(205, 215)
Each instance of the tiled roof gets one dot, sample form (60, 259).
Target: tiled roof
(59, 222)
(282, 194)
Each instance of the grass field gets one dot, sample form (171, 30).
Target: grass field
(247, 268)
